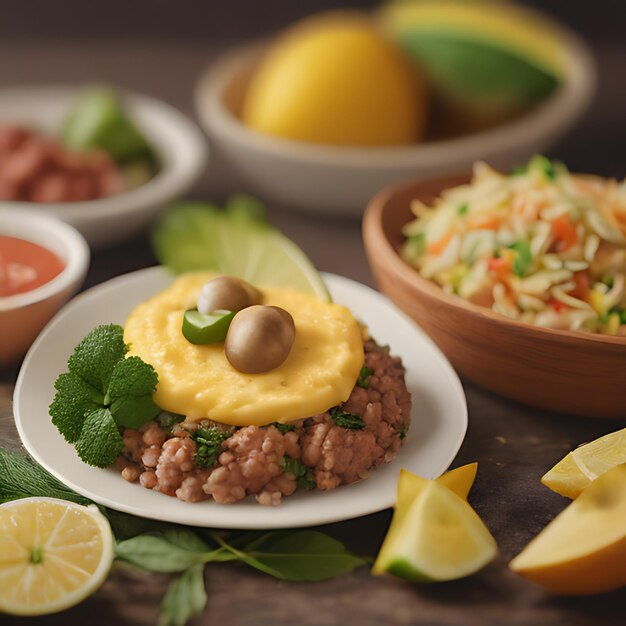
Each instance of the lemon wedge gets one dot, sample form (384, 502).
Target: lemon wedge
(53, 554)
(582, 466)
(459, 480)
(583, 550)
(436, 535)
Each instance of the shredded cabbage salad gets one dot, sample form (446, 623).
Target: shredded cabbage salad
(540, 245)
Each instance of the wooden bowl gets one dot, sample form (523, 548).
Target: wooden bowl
(565, 371)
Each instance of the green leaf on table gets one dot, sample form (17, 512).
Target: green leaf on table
(185, 597)
(20, 477)
(305, 555)
(163, 552)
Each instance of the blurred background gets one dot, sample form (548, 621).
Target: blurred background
(160, 47)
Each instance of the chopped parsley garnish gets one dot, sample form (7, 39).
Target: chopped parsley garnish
(102, 392)
(519, 170)
(209, 442)
(462, 209)
(303, 475)
(346, 420)
(523, 259)
(167, 420)
(283, 428)
(364, 377)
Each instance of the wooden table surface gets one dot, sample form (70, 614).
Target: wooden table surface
(513, 444)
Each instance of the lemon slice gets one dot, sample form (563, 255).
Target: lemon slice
(440, 537)
(582, 466)
(237, 241)
(583, 550)
(53, 554)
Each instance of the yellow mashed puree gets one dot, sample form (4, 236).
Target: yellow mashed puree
(199, 382)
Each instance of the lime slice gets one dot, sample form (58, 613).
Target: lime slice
(53, 554)
(570, 476)
(237, 242)
(440, 537)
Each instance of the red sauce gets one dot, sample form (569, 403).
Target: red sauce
(24, 266)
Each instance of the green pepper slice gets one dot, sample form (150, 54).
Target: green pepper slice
(201, 329)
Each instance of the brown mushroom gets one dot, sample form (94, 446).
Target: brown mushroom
(227, 293)
(259, 339)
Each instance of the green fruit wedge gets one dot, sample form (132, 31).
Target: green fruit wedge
(438, 538)
(488, 60)
(237, 241)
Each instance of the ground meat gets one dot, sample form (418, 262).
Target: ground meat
(251, 461)
(37, 168)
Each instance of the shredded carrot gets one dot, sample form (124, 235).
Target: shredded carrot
(565, 233)
(501, 267)
(583, 285)
(440, 245)
(487, 222)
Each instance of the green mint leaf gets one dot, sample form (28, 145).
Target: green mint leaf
(73, 400)
(209, 445)
(364, 377)
(133, 412)
(462, 209)
(185, 597)
(100, 442)
(131, 377)
(283, 428)
(346, 420)
(162, 553)
(21, 477)
(519, 170)
(306, 555)
(523, 259)
(301, 473)
(96, 355)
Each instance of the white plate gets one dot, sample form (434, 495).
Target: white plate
(439, 417)
(179, 143)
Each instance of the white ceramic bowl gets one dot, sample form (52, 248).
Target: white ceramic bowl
(341, 180)
(23, 315)
(179, 143)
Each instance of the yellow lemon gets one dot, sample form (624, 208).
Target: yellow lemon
(334, 79)
(583, 550)
(582, 466)
(53, 554)
(435, 535)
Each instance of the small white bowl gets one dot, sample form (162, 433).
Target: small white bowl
(341, 180)
(23, 315)
(179, 143)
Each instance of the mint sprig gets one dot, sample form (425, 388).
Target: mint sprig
(102, 392)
